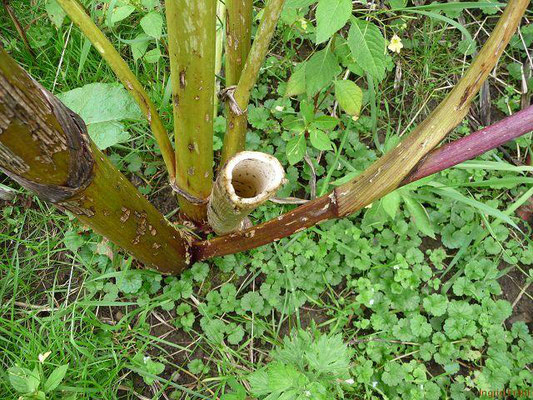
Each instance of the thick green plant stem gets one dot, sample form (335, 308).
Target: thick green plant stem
(219, 49)
(78, 15)
(238, 98)
(45, 147)
(388, 172)
(239, 15)
(238, 38)
(191, 39)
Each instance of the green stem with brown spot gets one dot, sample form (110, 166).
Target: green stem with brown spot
(237, 100)
(191, 39)
(45, 147)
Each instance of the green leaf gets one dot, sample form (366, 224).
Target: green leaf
(295, 149)
(515, 70)
(329, 356)
(368, 47)
(107, 134)
(419, 216)
(319, 140)
(148, 367)
(436, 304)
(120, 13)
(331, 15)
(23, 380)
(420, 327)
(390, 203)
(197, 366)
(152, 56)
(73, 241)
(325, 122)
(394, 373)
(484, 208)
(102, 106)
(214, 329)
(139, 45)
(296, 83)
(152, 24)
(129, 281)
(149, 4)
(320, 70)
(55, 13)
(235, 335)
(252, 301)
(349, 96)
(299, 3)
(55, 378)
(394, 4)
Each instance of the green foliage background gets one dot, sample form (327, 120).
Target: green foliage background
(408, 299)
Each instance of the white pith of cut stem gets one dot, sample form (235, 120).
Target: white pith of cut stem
(245, 182)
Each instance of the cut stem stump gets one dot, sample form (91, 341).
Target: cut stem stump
(245, 182)
(388, 172)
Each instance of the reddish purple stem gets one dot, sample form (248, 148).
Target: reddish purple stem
(473, 145)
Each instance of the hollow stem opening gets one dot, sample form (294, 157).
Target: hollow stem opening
(246, 181)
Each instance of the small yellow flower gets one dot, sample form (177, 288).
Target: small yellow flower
(395, 44)
(303, 24)
(43, 357)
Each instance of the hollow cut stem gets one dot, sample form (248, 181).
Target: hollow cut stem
(325, 207)
(387, 173)
(245, 182)
(80, 18)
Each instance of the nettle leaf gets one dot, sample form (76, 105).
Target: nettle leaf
(296, 83)
(295, 149)
(102, 106)
(139, 45)
(152, 56)
(349, 96)
(325, 122)
(331, 15)
(368, 47)
(23, 380)
(320, 70)
(152, 24)
(120, 13)
(55, 13)
(55, 378)
(391, 203)
(419, 216)
(319, 140)
(299, 3)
